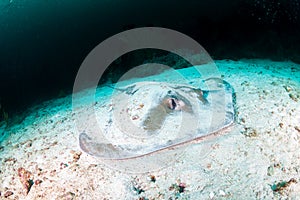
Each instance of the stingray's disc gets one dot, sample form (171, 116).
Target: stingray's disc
(149, 117)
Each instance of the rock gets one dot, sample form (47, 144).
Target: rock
(249, 132)
(287, 88)
(28, 144)
(222, 193)
(281, 124)
(37, 182)
(25, 179)
(10, 160)
(243, 120)
(282, 185)
(135, 117)
(151, 178)
(68, 196)
(182, 187)
(8, 193)
(270, 171)
(211, 195)
(76, 156)
(293, 97)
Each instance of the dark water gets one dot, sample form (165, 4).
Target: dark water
(43, 42)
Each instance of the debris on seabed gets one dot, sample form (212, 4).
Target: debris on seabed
(151, 178)
(280, 186)
(7, 194)
(211, 195)
(137, 186)
(249, 132)
(25, 179)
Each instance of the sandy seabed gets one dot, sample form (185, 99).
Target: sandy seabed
(257, 158)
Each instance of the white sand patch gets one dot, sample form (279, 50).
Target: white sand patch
(261, 149)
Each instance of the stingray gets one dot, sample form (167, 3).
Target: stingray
(147, 117)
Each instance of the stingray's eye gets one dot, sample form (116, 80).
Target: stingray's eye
(172, 103)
